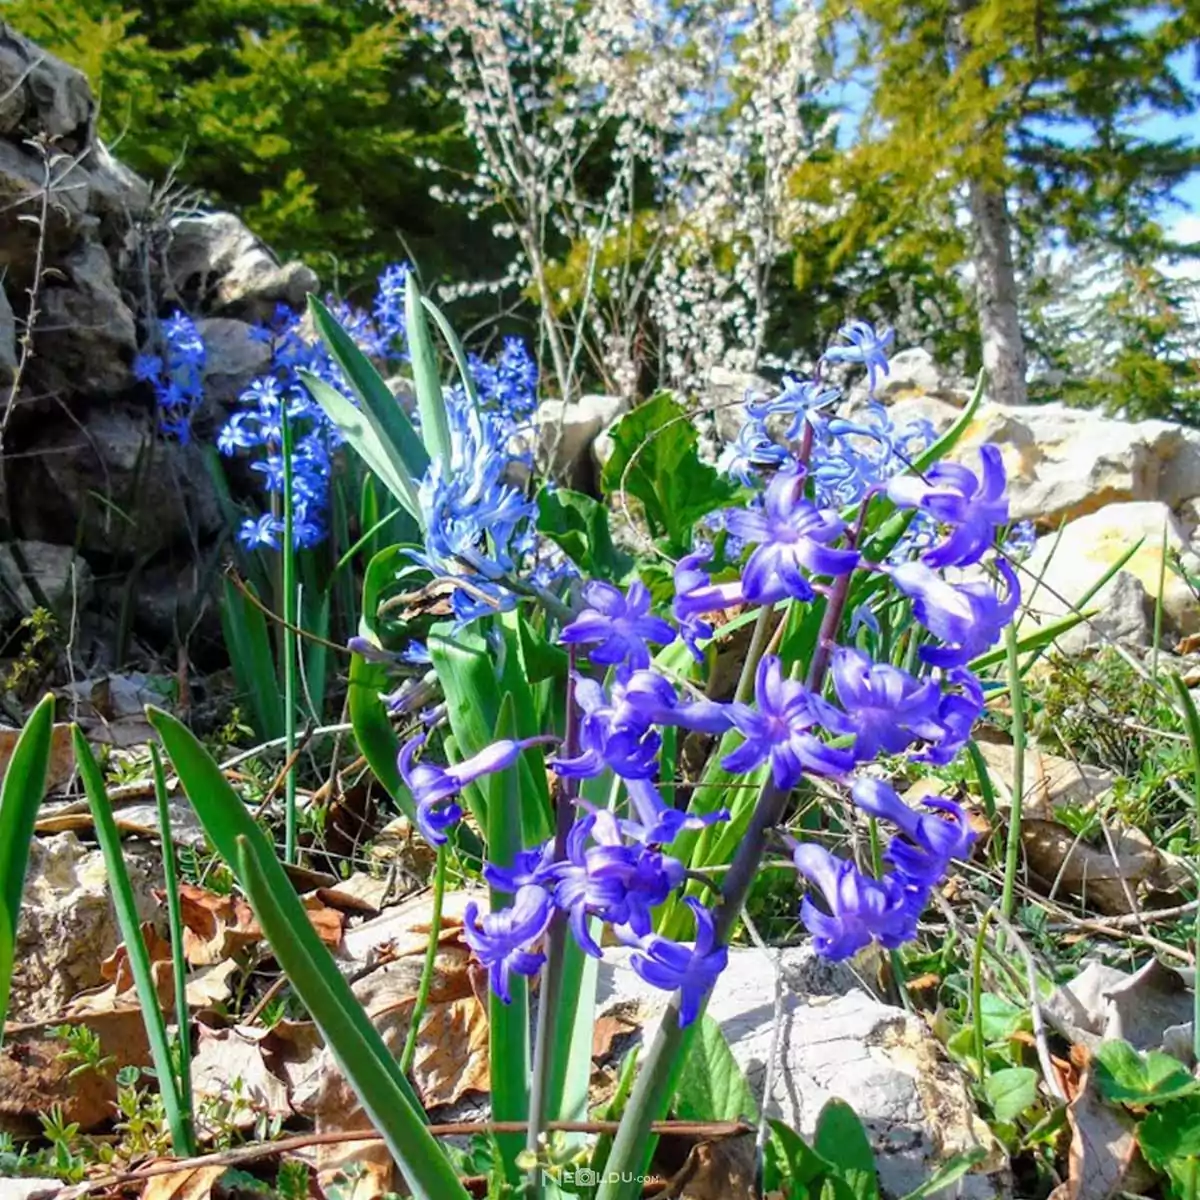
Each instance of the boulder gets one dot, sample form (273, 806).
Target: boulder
(232, 358)
(214, 261)
(835, 1041)
(8, 339)
(86, 334)
(1064, 462)
(22, 182)
(726, 395)
(59, 578)
(566, 433)
(127, 491)
(67, 926)
(42, 94)
(1068, 566)
(912, 373)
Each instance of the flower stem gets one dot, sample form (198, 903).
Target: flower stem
(435, 929)
(289, 638)
(1012, 856)
(556, 942)
(659, 1074)
(758, 644)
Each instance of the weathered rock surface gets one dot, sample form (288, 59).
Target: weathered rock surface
(836, 1041)
(1064, 462)
(233, 358)
(566, 433)
(59, 578)
(913, 373)
(1070, 565)
(67, 926)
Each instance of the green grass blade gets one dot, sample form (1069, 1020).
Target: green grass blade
(435, 425)
(368, 441)
(6, 962)
(1191, 722)
(225, 820)
(508, 1023)
(288, 555)
(175, 923)
(358, 1049)
(387, 414)
(139, 959)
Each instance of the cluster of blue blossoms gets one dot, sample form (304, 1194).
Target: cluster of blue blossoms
(457, 503)
(616, 866)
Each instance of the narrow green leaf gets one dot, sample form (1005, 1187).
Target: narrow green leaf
(360, 1052)
(387, 414)
(952, 1170)
(842, 1141)
(712, 1086)
(1011, 1091)
(177, 1110)
(435, 425)
(368, 440)
(6, 962)
(225, 820)
(456, 349)
(20, 797)
(249, 643)
(801, 1164)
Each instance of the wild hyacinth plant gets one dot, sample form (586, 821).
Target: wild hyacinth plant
(860, 651)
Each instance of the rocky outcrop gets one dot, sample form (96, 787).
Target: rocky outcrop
(88, 480)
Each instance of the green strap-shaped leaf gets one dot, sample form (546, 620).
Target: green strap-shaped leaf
(178, 1111)
(508, 1024)
(373, 393)
(249, 643)
(20, 797)
(435, 425)
(456, 349)
(368, 440)
(362, 1056)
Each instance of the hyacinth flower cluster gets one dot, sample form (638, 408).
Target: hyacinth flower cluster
(458, 506)
(176, 375)
(614, 867)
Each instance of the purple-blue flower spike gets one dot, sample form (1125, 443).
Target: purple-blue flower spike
(890, 709)
(967, 617)
(696, 594)
(690, 970)
(792, 537)
(433, 787)
(867, 346)
(502, 940)
(942, 837)
(780, 728)
(617, 626)
(861, 910)
(951, 495)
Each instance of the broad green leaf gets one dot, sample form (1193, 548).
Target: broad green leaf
(508, 1023)
(655, 461)
(579, 524)
(387, 414)
(952, 1170)
(376, 1079)
(368, 440)
(1011, 1091)
(1171, 1132)
(712, 1086)
(20, 798)
(373, 1073)
(1183, 1176)
(177, 1108)
(1126, 1077)
(842, 1141)
(435, 424)
(796, 1162)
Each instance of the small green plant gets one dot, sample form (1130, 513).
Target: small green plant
(39, 633)
(65, 1157)
(141, 1115)
(84, 1050)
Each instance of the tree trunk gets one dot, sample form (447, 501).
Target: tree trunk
(996, 289)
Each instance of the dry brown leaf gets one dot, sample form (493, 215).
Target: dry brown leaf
(194, 1183)
(1057, 856)
(34, 1075)
(1102, 1143)
(62, 754)
(210, 985)
(215, 927)
(405, 928)
(116, 969)
(722, 1170)
(230, 1064)
(452, 1052)
(328, 922)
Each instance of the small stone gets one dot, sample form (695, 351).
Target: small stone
(232, 358)
(566, 433)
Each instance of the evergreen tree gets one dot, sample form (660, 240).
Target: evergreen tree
(1026, 117)
(311, 118)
